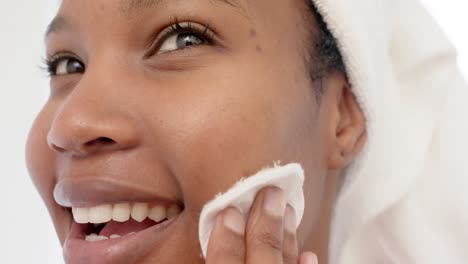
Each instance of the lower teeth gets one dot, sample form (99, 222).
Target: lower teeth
(96, 237)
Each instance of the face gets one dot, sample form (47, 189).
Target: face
(156, 108)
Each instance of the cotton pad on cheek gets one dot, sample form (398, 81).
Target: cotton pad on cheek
(241, 195)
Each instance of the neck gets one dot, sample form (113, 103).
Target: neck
(318, 241)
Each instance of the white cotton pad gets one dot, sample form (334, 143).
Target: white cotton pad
(241, 195)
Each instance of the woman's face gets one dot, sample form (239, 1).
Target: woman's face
(169, 103)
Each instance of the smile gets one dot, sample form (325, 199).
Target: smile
(116, 221)
(120, 233)
(109, 221)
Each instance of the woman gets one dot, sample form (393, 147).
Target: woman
(157, 106)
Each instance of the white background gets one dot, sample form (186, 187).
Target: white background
(28, 235)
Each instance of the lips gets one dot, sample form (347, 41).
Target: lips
(106, 228)
(125, 248)
(89, 191)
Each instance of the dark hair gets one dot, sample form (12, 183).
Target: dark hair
(325, 56)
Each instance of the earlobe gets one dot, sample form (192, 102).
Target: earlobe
(348, 132)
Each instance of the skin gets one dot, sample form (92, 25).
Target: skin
(193, 119)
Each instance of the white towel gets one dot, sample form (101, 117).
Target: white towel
(289, 178)
(405, 200)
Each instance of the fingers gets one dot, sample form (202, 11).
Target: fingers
(265, 229)
(226, 243)
(308, 258)
(290, 249)
(269, 236)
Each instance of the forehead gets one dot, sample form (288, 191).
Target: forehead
(87, 18)
(129, 8)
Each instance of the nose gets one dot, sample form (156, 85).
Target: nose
(82, 129)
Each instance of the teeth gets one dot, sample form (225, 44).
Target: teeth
(173, 211)
(139, 211)
(95, 237)
(91, 238)
(81, 215)
(157, 213)
(100, 214)
(121, 212)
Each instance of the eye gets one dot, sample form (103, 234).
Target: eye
(63, 65)
(180, 41)
(183, 35)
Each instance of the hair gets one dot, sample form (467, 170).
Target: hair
(324, 56)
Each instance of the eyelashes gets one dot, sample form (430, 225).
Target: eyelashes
(202, 34)
(176, 37)
(62, 64)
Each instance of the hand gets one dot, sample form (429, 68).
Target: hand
(268, 237)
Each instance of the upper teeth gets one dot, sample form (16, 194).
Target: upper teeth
(121, 212)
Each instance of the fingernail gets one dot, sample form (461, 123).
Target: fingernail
(290, 220)
(275, 202)
(234, 221)
(309, 259)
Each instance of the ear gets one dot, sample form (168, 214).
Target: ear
(347, 129)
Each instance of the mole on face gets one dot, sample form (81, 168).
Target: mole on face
(252, 33)
(258, 48)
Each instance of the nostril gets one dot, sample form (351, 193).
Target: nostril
(57, 148)
(106, 140)
(99, 142)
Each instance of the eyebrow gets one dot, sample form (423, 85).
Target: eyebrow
(132, 5)
(59, 23)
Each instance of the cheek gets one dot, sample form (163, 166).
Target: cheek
(231, 128)
(39, 157)
(40, 162)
